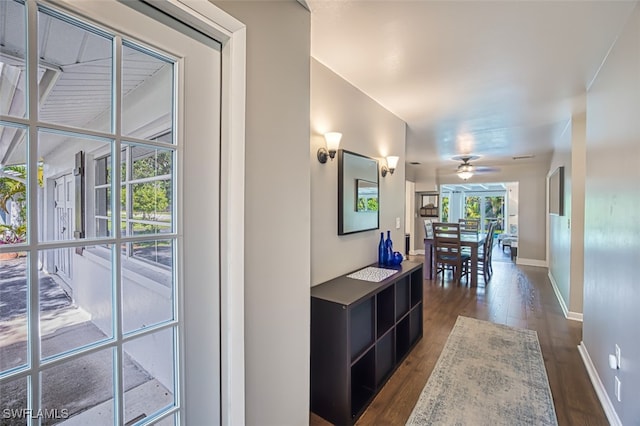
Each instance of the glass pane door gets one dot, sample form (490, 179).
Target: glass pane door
(89, 330)
(494, 211)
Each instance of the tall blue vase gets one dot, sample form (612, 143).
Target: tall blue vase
(382, 251)
(388, 249)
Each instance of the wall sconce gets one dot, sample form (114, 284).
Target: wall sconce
(333, 142)
(392, 162)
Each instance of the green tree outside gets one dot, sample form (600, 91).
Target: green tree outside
(472, 207)
(445, 209)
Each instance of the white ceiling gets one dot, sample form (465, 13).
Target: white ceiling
(491, 78)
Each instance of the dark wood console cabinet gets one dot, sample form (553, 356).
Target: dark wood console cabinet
(360, 332)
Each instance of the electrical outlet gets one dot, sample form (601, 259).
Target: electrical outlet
(618, 355)
(617, 389)
(397, 223)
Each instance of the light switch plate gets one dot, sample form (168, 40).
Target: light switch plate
(617, 389)
(397, 223)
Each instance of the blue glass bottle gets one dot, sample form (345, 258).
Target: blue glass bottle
(388, 248)
(382, 251)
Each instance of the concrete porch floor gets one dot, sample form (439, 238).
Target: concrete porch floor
(83, 386)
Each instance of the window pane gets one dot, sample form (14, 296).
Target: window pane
(493, 206)
(147, 290)
(154, 355)
(168, 421)
(147, 93)
(76, 84)
(103, 202)
(13, 311)
(103, 227)
(13, 76)
(59, 152)
(13, 397)
(75, 298)
(445, 209)
(139, 228)
(13, 188)
(494, 210)
(160, 252)
(472, 207)
(150, 162)
(152, 201)
(150, 180)
(80, 389)
(103, 170)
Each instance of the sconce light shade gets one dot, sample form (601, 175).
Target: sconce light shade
(392, 163)
(333, 142)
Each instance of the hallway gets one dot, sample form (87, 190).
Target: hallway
(519, 296)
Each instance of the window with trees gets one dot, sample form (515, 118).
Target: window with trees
(445, 208)
(145, 196)
(486, 208)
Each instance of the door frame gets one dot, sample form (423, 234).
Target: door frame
(231, 33)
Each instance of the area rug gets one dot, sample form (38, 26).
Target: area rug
(487, 374)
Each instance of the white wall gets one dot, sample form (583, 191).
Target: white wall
(368, 129)
(146, 303)
(612, 220)
(559, 232)
(577, 186)
(566, 233)
(531, 178)
(277, 210)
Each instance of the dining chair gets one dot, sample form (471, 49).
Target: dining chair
(484, 254)
(448, 251)
(469, 226)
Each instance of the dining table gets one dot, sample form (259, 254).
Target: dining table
(472, 240)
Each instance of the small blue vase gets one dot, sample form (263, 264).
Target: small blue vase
(388, 248)
(382, 252)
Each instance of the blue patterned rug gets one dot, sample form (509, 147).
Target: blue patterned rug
(487, 374)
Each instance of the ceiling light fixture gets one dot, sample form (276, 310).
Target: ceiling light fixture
(465, 171)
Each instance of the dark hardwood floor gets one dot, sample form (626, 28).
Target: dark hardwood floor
(519, 296)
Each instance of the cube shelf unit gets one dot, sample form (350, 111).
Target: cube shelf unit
(360, 332)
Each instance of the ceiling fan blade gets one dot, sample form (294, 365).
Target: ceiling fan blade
(486, 169)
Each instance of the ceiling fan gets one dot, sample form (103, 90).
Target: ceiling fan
(466, 170)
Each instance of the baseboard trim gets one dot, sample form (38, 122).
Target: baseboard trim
(531, 262)
(574, 316)
(607, 406)
(556, 290)
(416, 252)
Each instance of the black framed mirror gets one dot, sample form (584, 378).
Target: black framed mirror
(556, 192)
(358, 193)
